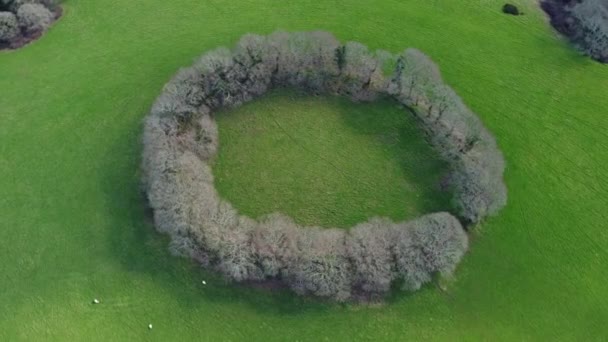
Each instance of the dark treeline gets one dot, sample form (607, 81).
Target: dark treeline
(585, 22)
(180, 139)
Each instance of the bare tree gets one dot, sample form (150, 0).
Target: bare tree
(9, 27)
(432, 244)
(34, 17)
(322, 267)
(369, 249)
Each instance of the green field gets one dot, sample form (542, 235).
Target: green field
(72, 224)
(327, 161)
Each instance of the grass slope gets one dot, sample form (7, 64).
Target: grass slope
(71, 225)
(327, 161)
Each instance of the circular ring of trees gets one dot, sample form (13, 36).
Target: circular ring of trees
(181, 139)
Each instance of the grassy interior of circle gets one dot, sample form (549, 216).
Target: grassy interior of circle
(326, 161)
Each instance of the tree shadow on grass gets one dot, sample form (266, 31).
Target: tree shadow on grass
(400, 138)
(393, 126)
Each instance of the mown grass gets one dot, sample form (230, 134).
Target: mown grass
(71, 219)
(327, 161)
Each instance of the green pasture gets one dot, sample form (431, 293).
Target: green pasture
(327, 161)
(72, 222)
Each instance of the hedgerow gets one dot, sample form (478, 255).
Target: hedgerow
(180, 140)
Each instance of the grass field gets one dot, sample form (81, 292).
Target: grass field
(327, 161)
(71, 218)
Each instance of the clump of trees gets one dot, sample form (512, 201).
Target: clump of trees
(181, 139)
(585, 22)
(24, 20)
